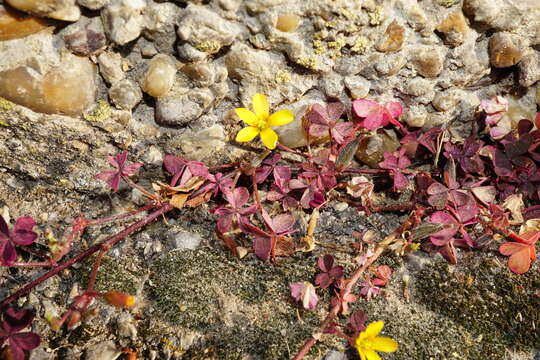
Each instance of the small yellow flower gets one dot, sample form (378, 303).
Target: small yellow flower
(261, 122)
(368, 342)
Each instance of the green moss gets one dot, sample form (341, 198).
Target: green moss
(496, 308)
(111, 276)
(242, 306)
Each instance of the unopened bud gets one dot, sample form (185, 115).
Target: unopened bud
(120, 299)
(54, 322)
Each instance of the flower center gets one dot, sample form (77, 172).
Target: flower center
(366, 344)
(262, 124)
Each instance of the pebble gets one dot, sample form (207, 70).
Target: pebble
(125, 326)
(202, 144)
(159, 76)
(483, 11)
(181, 106)
(529, 69)
(93, 4)
(428, 62)
(123, 20)
(287, 22)
(454, 28)
(333, 85)
(504, 50)
(204, 29)
(184, 240)
(110, 66)
(86, 37)
(125, 94)
(105, 350)
(372, 148)
(416, 116)
(65, 10)
(392, 39)
(14, 24)
(390, 64)
(68, 89)
(447, 100)
(358, 86)
(200, 74)
(335, 355)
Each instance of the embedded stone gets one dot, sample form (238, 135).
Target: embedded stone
(159, 77)
(416, 116)
(372, 148)
(65, 10)
(85, 37)
(428, 62)
(202, 144)
(447, 100)
(68, 88)
(15, 24)
(125, 94)
(287, 22)
(504, 50)
(93, 4)
(358, 86)
(205, 30)
(110, 66)
(392, 39)
(123, 20)
(454, 28)
(181, 106)
(202, 74)
(529, 69)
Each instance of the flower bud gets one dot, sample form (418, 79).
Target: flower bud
(120, 299)
(74, 320)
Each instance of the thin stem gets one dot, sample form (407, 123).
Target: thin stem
(225, 166)
(288, 149)
(95, 268)
(121, 216)
(334, 311)
(32, 264)
(364, 171)
(84, 254)
(141, 189)
(256, 192)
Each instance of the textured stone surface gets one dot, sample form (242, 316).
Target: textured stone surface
(159, 76)
(123, 20)
(504, 50)
(125, 94)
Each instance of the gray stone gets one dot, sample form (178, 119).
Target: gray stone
(335, 355)
(125, 325)
(529, 69)
(428, 61)
(189, 53)
(202, 144)
(93, 4)
(358, 86)
(447, 100)
(123, 20)
(105, 350)
(110, 67)
(416, 116)
(204, 29)
(332, 85)
(420, 88)
(125, 94)
(184, 240)
(180, 107)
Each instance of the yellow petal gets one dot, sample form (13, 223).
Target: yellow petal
(361, 353)
(372, 355)
(247, 116)
(247, 134)
(384, 344)
(269, 138)
(260, 106)
(282, 117)
(372, 330)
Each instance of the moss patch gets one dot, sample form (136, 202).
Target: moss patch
(496, 308)
(242, 306)
(111, 276)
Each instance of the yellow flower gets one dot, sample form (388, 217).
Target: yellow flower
(368, 342)
(261, 122)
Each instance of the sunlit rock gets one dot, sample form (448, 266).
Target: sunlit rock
(14, 24)
(68, 88)
(65, 10)
(159, 77)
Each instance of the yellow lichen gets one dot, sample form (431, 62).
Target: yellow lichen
(376, 17)
(100, 113)
(348, 14)
(309, 62)
(6, 104)
(336, 47)
(331, 24)
(319, 47)
(447, 3)
(209, 46)
(283, 76)
(360, 46)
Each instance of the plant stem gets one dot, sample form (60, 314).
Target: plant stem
(334, 311)
(121, 216)
(84, 254)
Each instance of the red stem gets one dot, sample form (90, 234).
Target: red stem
(121, 216)
(84, 254)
